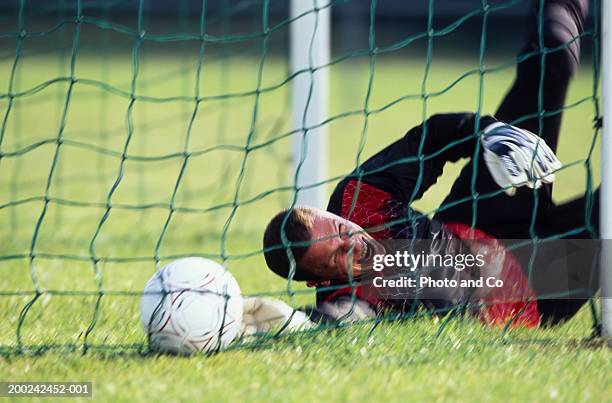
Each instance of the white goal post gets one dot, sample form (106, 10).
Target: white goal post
(606, 174)
(310, 48)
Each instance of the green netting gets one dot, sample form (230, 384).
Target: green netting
(131, 137)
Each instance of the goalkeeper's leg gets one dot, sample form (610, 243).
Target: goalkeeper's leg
(510, 217)
(580, 214)
(563, 22)
(576, 276)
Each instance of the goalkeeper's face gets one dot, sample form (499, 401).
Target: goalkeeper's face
(340, 249)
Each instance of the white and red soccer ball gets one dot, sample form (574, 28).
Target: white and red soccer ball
(191, 305)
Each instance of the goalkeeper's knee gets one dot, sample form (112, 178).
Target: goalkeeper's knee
(562, 25)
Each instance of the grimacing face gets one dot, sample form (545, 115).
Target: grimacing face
(340, 249)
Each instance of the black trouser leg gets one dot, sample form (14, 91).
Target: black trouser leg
(577, 275)
(511, 217)
(581, 213)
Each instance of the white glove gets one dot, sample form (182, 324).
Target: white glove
(516, 157)
(346, 309)
(265, 314)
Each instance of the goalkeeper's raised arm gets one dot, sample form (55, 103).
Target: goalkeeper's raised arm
(333, 249)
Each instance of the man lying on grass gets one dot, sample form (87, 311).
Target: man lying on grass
(493, 198)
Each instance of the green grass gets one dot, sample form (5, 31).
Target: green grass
(397, 362)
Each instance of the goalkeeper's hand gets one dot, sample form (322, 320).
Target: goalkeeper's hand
(516, 157)
(265, 314)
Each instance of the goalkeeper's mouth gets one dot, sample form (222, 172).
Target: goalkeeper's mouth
(369, 248)
(366, 252)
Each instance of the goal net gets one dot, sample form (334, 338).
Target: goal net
(133, 133)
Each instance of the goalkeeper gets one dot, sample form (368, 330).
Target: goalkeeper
(334, 253)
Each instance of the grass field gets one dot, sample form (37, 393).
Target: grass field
(395, 362)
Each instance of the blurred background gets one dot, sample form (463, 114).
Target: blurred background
(127, 141)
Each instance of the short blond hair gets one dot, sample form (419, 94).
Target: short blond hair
(298, 223)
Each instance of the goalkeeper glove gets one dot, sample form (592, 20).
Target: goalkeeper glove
(516, 157)
(265, 314)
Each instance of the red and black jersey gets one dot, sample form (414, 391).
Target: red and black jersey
(377, 197)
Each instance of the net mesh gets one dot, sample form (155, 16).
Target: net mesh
(135, 133)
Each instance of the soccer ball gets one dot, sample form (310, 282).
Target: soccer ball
(191, 305)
